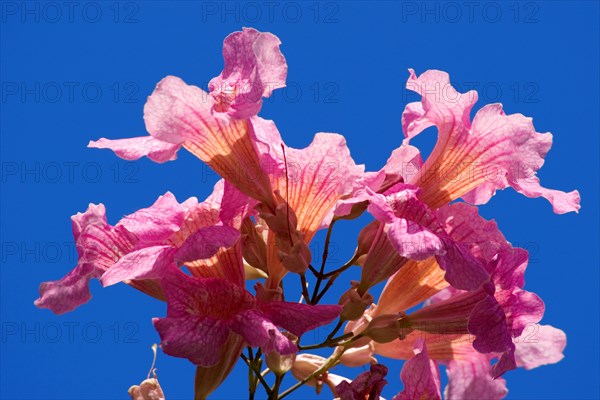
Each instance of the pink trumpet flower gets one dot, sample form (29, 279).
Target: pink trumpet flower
(474, 159)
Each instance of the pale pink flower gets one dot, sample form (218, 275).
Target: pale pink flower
(474, 159)
(141, 247)
(306, 364)
(215, 127)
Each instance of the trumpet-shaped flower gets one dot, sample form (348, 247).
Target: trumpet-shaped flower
(215, 127)
(474, 159)
(99, 246)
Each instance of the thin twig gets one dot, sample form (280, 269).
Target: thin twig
(304, 289)
(323, 262)
(327, 343)
(257, 373)
(274, 395)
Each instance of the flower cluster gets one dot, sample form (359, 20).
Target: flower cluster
(426, 241)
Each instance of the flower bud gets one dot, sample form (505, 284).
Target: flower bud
(384, 328)
(280, 364)
(366, 238)
(354, 304)
(266, 294)
(298, 259)
(282, 219)
(254, 247)
(306, 364)
(358, 356)
(149, 389)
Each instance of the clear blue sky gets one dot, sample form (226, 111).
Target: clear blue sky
(72, 72)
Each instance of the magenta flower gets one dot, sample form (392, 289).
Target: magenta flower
(366, 386)
(420, 376)
(414, 232)
(203, 313)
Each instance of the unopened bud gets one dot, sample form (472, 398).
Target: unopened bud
(280, 364)
(358, 356)
(281, 220)
(297, 259)
(384, 328)
(265, 294)
(353, 304)
(149, 389)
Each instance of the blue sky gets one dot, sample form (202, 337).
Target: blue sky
(74, 72)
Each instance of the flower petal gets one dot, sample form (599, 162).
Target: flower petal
(259, 331)
(473, 160)
(206, 242)
(254, 66)
(299, 318)
(137, 147)
(463, 223)
(99, 246)
(416, 233)
(156, 223)
(179, 113)
(199, 339)
(420, 376)
(471, 379)
(367, 385)
(318, 176)
(545, 345)
(415, 282)
(146, 263)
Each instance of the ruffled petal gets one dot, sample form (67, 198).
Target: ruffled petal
(299, 318)
(146, 263)
(199, 339)
(414, 230)
(254, 67)
(488, 323)
(420, 376)
(474, 160)
(156, 223)
(540, 345)
(212, 297)
(206, 242)
(200, 315)
(182, 114)
(259, 331)
(463, 223)
(137, 147)
(317, 177)
(99, 246)
(472, 379)
(367, 385)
